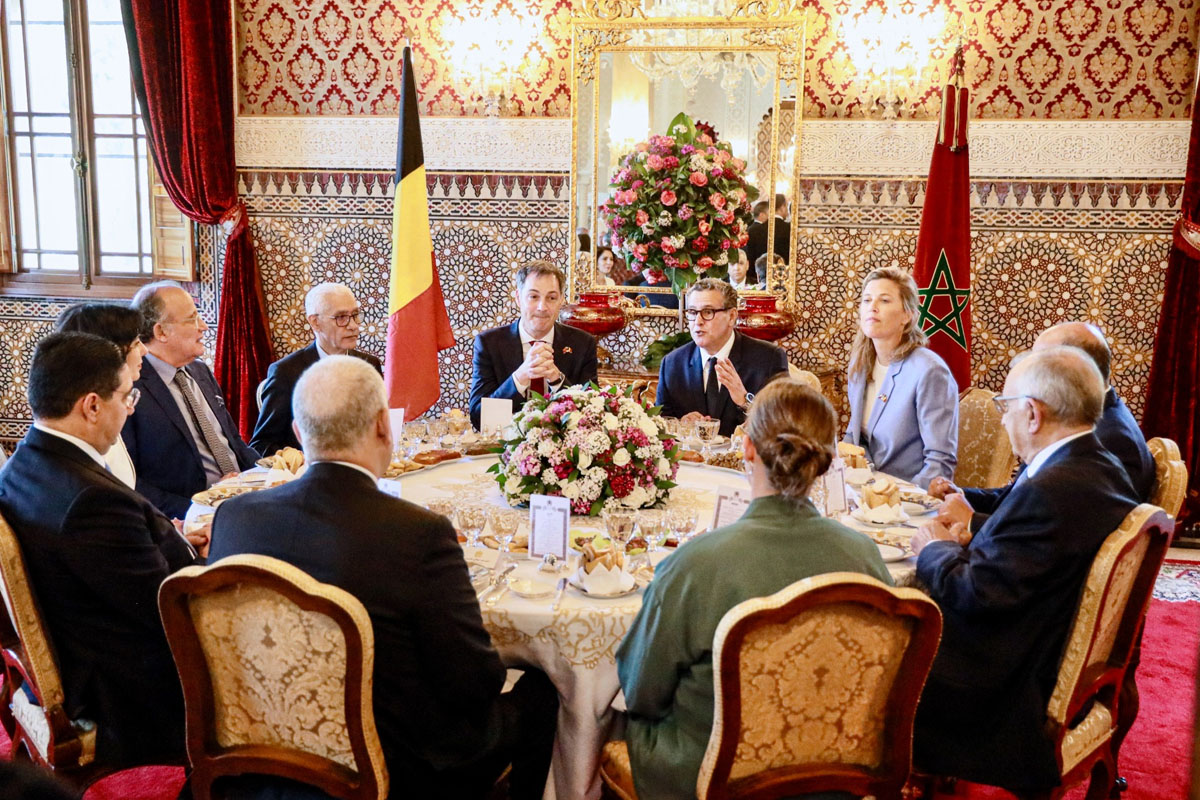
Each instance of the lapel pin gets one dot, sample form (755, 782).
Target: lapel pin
(566, 350)
(883, 398)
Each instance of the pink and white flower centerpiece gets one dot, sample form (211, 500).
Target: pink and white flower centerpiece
(599, 448)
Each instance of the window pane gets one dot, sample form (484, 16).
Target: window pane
(120, 125)
(60, 262)
(116, 196)
(112, 92)
(20, 123)
(143, 176)
(47, 57)
(119, 265)
(26, 207)
(55, 193)
(59, 123)
(16, 61)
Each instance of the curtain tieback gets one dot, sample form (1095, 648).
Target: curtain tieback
(234, 220)
(1187, 237)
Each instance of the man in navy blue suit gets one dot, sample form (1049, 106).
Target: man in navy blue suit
(716, 375)
(182, 439)
(536, 353)
(1008, 595)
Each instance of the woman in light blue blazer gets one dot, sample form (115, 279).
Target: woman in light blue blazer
(903, 399)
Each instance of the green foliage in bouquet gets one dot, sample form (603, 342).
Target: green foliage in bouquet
(663, 345)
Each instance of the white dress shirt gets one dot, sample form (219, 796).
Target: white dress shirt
(1044, 454)
(167, 373)
(720, 354)
(526, 344)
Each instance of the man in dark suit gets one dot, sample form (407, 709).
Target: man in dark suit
(757, 244)
(96, 551)
(445, 727)
(1008, 595)
(182, 439)
(536, 353)
(716, 375)
(333, 314)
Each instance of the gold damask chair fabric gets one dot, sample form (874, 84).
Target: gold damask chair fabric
(31, 697)
(815, 688)
(1170, 486)
(985, 456)
(277, 673)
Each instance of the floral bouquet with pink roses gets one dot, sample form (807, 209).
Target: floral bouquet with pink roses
(596, 447)
(681, 203)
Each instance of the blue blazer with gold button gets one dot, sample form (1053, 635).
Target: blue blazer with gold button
(913, 429)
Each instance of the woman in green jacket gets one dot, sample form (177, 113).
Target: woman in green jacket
(665, 662)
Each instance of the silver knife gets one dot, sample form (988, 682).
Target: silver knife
(495, 581)
(495, 598)
(562, 587)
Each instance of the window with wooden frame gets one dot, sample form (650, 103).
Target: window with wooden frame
(82, 212)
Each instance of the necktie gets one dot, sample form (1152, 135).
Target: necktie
(712, 392)
(218, 448)
(537, 384)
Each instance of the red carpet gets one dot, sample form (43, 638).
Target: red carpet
(1155, 758)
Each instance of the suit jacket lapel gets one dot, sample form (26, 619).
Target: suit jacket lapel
(512, 354)
(693, 378)
(155, 387)
(885, 395)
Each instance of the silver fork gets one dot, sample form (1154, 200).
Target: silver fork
(495, 581)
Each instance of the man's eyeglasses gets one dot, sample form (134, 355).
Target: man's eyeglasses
(1001, 401)
(705, 314)
(342, 320)
(131, 398)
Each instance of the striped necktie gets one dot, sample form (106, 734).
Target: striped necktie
(216, 445)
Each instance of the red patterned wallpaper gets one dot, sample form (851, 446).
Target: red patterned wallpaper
(1055, 59)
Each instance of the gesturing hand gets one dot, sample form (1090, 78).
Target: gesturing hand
(728, 377)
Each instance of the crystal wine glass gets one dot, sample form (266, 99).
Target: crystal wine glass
(618, 523)
(438, 430)
(707, 429)
(504, 525)
(652, 527)
(682, 522)
(471, 519)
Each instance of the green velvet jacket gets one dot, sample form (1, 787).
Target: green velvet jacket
(665, 662)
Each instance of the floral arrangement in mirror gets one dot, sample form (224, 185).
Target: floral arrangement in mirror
(599, 448)
(680, 204)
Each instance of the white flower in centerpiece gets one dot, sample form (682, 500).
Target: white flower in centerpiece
(611, 422)
(548, 477)
(585, 460)
(647, 426)
(571, 491)
(663, 466)
(637, 498)
(621, 457)
(546, 448)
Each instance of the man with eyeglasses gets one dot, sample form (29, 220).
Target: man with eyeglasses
(1008, 594)
(182, 439)
(96, 552)
(335, 317)
(716, 375)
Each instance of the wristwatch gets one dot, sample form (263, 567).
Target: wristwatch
(749, 401)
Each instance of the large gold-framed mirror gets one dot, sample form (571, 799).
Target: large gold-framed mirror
(635, 70)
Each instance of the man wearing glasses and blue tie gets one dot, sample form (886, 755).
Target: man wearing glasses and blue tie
(335, 318)
(717, 374)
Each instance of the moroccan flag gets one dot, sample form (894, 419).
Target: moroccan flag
(943, 267)
(417, 323)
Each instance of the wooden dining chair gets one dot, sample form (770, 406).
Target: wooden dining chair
(815, 689)
(985, 455)
(31, 697)
(276, 671)
(1171, 475)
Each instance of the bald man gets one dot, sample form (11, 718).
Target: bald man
(1117, 430)
(443, 722)
(335, 317)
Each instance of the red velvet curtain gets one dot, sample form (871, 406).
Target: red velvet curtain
(180, 54)
(1172, 405)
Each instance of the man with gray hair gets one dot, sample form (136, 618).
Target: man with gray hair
(443, 722)
(334, 315)
(716, 375)
(1008, 594)
(535, 354)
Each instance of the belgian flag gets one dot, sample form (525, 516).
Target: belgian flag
(417, 323)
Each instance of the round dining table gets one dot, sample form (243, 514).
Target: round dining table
(570, 636)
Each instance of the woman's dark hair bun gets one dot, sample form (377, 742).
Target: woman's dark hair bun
(793, 428)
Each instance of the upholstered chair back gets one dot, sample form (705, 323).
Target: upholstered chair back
(816, 687)
(276, 671)
(38, 723)
(1107, 623)
(985, 456)
(809, 379)
(1170, 486)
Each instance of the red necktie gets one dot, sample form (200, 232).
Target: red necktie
(537, 384)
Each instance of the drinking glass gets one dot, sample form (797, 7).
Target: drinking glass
(652, 527)
(618, 524)
(504, 525)
(442, 507)
(438, 430)
(416, 431)
(682, 522)
(471, 519)
(458, 426)
(706, 430)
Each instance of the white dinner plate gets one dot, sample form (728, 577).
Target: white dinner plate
(627, 578)
(860, 515)
(531, 589)
(916, 509)
(857, 476)
(889, 553)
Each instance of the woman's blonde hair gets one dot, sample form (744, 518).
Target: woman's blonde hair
(862, 353)
(793, 429)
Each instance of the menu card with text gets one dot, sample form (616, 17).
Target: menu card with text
(731, 504)
(549, 520)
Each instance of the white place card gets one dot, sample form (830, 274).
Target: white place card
(549, 519)
(495, 414)
(396, 419)
(835, 489)
(731, 504)
(389, 486)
